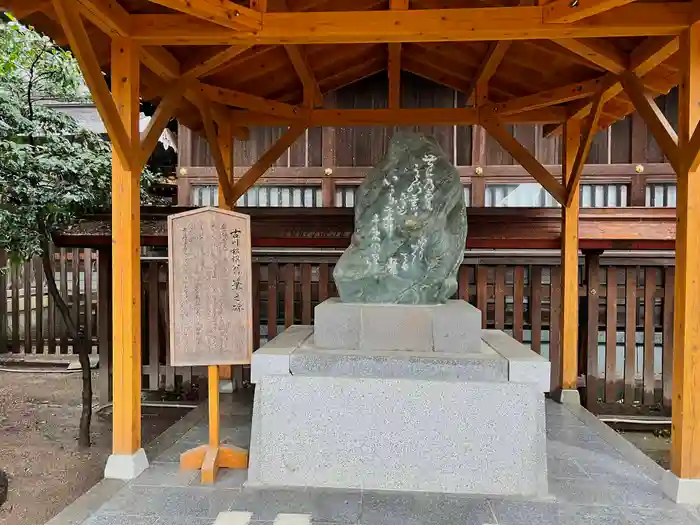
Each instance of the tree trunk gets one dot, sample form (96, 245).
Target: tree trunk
(80, 344)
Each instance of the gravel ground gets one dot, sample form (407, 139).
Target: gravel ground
(39, 415)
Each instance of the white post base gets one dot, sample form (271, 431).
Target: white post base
(120, 466)
(567, 397)
(225, 386)
(681, 490)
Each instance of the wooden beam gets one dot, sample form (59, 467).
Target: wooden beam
(691, 152)
(551, 97)
(225, 140)
(266, 160)
(656, 121)
(419, 25)
(126, 265)
(164, 112)
(108, 15)
(238, 99)
(568, 369)
(312, 93)
(394, 117)
(647, 56)
(222, 12)
(487, 69)
(221, 171)
(567, 11)
(685, 410)
(526, 160)
(574, 163)
(598, 52)
(81, 47)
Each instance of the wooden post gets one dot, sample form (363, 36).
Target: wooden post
(682, 482)
(566, 384)
(126, 270)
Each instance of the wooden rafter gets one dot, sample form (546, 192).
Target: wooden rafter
(657, 122)
(526, 160)
(222, 12)
(28, 10)
(214, 62)
(108, 15)
(237, 99)
(395, 117)
(312, 93)
(566, 11)
(598, 52)
(651, 53)
(551, 97)
(271, 155)
(487, 69)
(85, 55)
(164, 112)
(584, 149)
(419, 25)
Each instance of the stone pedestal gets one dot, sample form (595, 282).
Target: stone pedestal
(447, 408)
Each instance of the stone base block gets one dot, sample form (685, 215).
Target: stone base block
(524, 365)
(309, 360)
(453, 327)
(681, 490)
(567, 397)
(121, 466)
(399, 434)
(274, 357)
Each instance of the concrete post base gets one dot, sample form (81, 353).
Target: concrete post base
(566, 397)
(226, 386)
(121, 466)
(681, 490)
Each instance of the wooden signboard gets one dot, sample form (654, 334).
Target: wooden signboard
(211, 314)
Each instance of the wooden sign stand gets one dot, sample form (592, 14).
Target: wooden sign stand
(209, 458)
(210, 314)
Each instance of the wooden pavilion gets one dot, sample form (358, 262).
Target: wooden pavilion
(191, 57)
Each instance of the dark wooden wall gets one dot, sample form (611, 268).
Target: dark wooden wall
(626, 144)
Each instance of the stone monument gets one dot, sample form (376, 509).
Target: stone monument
(396, 386)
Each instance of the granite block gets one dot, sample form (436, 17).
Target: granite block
(337, 324)
(554, 513)
(456, 327)
(273, 358)
(171, 501)
(524, 365)
(310, 361)
(398, 434)
(396, 327)
(453, 327)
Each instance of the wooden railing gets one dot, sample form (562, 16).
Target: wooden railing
(626, 330)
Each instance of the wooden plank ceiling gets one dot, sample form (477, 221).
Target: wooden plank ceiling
(523, 74)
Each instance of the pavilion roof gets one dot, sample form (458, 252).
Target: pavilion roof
(538, 63)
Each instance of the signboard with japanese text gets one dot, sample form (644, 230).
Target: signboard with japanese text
(211, 314)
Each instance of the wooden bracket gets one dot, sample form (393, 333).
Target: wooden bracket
(164, 112)
(271, 155)
(487, 69)
(526, 160)
(657, 122)
(213, 139)
(81, 46)
(213, 456)
(583, 149)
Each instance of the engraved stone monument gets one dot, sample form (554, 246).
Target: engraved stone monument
(396, 386)
(210, 288)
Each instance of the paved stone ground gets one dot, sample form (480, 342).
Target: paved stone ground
(591, 482)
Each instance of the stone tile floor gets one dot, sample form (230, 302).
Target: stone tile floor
(590, 481)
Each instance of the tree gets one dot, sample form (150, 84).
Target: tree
(51, 170)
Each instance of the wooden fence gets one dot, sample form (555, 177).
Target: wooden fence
(625, 326)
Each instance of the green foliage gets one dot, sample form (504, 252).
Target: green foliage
(51, 170)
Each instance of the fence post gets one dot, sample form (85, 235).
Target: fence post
(588, 326)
